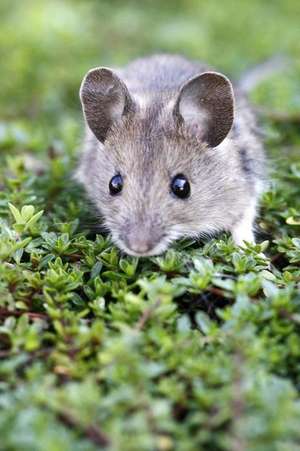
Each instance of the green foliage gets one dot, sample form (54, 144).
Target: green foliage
(196, 349)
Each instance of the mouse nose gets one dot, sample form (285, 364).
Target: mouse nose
(139, 244)
(141, 240)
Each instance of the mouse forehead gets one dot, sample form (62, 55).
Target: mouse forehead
(134, 149)
(144, 147)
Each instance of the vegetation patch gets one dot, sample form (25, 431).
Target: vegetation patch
(196, 349)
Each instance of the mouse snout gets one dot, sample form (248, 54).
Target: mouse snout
(141, 240)
(139, 244)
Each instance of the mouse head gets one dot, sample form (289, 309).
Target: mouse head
(152, 168)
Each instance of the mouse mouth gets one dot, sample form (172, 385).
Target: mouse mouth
(142, 248)
(150, 253)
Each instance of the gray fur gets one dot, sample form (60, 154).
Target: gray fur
(146, 143)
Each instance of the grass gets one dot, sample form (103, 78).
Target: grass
(195, 349)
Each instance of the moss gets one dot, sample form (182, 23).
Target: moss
(196, 349)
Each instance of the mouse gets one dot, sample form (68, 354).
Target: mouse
(171, 150)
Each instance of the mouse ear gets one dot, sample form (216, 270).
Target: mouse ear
(206, 103)
(104, 98)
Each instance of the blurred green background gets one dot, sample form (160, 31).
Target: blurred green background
(47, 46)
(216, 365)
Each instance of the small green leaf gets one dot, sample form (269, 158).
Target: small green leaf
(203, 322)
(34, 219)
(291, 220)
(16, 214)
(27, 212)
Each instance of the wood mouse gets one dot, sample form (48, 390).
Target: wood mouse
(171, 151)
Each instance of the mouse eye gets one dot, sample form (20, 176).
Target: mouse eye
(180, 186)
(116, 184)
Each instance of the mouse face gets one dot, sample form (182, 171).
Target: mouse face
(155, 174)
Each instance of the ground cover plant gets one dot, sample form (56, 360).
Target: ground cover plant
(195, 349)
